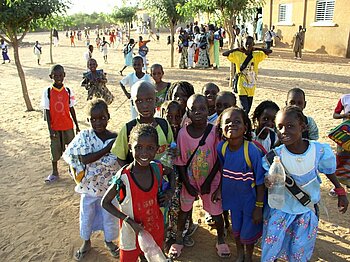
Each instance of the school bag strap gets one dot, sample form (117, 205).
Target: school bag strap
(246, 62)
(49, 93)
(290, 184)
(201, 143)
(157, 168)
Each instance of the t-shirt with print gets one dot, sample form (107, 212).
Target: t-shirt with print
(343, 104)
(248, 77)
(120, 147)
(59, 105)
(203, 160)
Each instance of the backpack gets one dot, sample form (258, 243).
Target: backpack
(129, 126)
(143, 50)
(48, 96)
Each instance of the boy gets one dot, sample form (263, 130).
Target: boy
(131, 79)
(144, 95)
(37, 51)
(247, 61)
(296, 96)
(224, 99)
(58, 102)
(143, 51)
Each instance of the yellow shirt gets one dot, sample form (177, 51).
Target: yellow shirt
(247, 78)
(120, 147)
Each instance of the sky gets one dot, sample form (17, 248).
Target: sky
(90, 6)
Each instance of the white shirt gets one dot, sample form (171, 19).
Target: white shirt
(269, 35)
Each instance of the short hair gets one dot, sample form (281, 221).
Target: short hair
(227, 93)
(293, 109)
(97, 103)
(137, 57)
(157, 65)
(141, 84)
(296, 90)
(184, 85)
(194, 97)
(56, 68)
(91, 59)
(143, 130)
(166, 105)
(261, 107)
(210, 85)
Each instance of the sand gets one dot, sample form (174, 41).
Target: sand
(39, 222)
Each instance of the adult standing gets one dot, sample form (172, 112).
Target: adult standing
(211, 44)
(247, 61)
(269, 36)
(203, 58)
(55, 37)
(298, 44)
(259, 28)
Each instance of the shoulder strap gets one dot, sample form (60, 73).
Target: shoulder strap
(163, 125)
(290, 184)
(201, 143)
(49, 93)
(246, 62)
(158, 170)
(246, 154)
(129, 127)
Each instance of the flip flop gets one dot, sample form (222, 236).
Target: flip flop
(223, 250)
(192, 229)
(79, 255)
(175, 251)
(51, 178)
(113, 250)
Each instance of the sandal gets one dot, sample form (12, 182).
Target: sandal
(223, 250)
(51, 178)
(113, 249)
(188, 241)
(175, 250)
(192, 229)
(80, 254)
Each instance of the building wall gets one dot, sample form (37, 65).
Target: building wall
(333, 40)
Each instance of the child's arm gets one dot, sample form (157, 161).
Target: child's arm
(168, 194)
(257, 212)
(183, 176)
(72, 112)
(126, 93)
(266, 51)
(48, 120)
(107, 204)
(205, 188)
(343, 201)
(92, 157)
(226, 53)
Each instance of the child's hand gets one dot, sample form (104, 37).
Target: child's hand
(165, 197)
(190, 189)
(205, 188)
(216, 196)
(127, 94)
(268, 182)
(135, 226)
(343, 203)
(257, 215)
(77, 130)
(52, 134)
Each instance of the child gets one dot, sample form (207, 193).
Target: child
(89, 153)
(242, 180)
(162, 87)
(191, 51)
(72, 35)
(104, 49)
(144, 96)
(143, 51)
(247, 64)
(95, 83)
(198, 169)
(290, 232)
(264, 121)
(180, 91)
(343, 156)
(37, 51)
(224, 99)
(128, 53)
(58, 102)
(296, 96)
(171, 111)
(4, 51)
(131, 79)
(136, 186)
(210, 91)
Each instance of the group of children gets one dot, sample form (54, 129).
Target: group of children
(219, 158)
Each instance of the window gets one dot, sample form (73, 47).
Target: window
(324, 10)
(285, 14)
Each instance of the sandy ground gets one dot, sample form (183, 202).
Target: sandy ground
(40, 222)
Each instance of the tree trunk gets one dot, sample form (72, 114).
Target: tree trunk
(51, 59)
(21, 75)
(231, 40)
(172, 36)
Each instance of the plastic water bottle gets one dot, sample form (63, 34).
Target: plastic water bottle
(167, 158)
(149, 247)
(277, 177)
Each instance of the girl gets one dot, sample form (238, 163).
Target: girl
(162, 87)
(171, 111)
(136, 187)
(128, 53)
(210, 90)
(180, 91)
(290, 232)
(198, 170)
(264, 121)
(242, 188)
(95, 83)
(4, 51)
(89, 157)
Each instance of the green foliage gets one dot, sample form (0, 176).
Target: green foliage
(17, 16)
(124, 14)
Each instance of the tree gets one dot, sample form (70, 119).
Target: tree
(229, 11)
(167, 15)
(16, 18)
(124, 15)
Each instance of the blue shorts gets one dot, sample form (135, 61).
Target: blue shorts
(242, 221)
